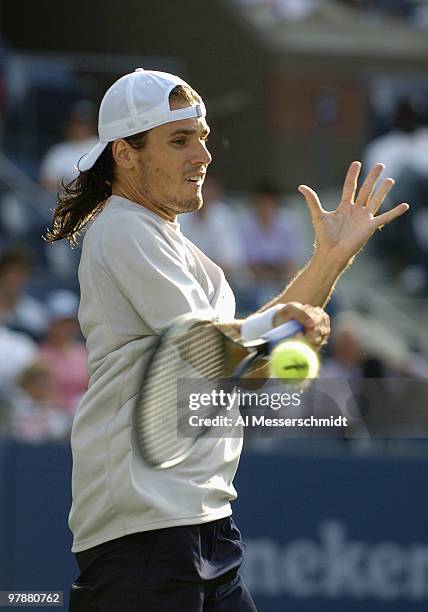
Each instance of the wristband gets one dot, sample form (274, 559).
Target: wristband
(256, 325)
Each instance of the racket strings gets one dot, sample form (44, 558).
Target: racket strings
(198, 353)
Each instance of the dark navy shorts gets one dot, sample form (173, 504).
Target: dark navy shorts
(178, 569)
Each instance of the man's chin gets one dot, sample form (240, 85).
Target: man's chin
(191, 205)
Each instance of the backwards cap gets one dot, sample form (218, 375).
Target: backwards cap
(137, 102)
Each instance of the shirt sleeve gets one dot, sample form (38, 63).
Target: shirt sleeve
(151, 272)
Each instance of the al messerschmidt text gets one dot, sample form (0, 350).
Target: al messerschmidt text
(263, 421)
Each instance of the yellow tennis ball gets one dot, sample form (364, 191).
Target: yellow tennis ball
(294, 360)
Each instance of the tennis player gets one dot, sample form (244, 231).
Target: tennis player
(151, 540)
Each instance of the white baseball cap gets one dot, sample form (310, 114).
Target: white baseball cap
(137, 102)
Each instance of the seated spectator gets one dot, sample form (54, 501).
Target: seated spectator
(274, 241)
(18, 310)
(17, 350)
(362, 347)
(59, 167)
(404, 151)
(214, 229)
(59, 163)
(347, 353)
(64, 352)
(405, 146)
(35, 418)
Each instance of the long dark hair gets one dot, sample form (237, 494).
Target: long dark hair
(80, 201)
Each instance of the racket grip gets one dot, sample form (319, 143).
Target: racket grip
(283, 331)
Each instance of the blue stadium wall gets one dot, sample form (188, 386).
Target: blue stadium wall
(322, 534)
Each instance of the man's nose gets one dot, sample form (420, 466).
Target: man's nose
(201, 155)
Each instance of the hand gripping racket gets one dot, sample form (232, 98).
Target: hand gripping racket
(189, 349)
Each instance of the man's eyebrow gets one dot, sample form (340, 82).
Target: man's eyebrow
(190, 132)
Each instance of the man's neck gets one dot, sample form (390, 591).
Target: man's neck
(129, 194)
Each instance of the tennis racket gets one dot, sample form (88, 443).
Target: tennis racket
(189, 349)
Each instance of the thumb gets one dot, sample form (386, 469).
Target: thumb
(312, 201)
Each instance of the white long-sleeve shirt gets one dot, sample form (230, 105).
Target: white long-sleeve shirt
(137, 273)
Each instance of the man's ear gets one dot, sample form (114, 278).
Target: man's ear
(123, 154)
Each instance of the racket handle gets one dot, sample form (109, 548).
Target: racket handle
(283, 331)
(265, 344)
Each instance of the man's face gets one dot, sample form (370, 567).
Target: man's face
(172, 166)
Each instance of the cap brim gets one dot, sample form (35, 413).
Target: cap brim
(88, 160)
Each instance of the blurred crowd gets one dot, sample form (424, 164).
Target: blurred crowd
(258, 239)
(43, 366)
(404, 151)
